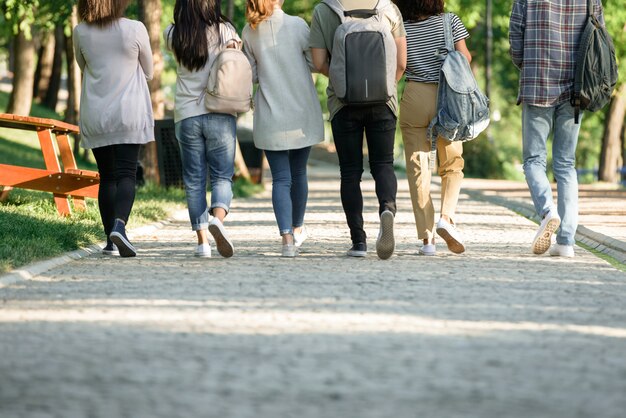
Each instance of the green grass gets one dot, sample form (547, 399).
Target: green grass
(612, 261)
(32, 230)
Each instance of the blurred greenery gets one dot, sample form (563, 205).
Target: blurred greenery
(496, 154)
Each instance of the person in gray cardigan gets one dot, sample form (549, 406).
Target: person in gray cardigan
(115, 109)
(287, 114)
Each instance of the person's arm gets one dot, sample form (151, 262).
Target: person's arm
(304, 34)
(320, 60)
(462, 48)
(400, 57)
(247, 50)
(517, 26)
(80, 59)
(145, 51)
(319, 48)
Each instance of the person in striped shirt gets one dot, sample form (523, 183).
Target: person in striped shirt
(423, 22)
(544, 37)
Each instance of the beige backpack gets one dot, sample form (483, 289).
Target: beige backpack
(229, 89)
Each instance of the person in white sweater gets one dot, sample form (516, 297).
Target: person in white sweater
(287, 114)
(199, 32)
(115, 110)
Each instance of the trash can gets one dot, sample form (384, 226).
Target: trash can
(252, 156)
(168, 154)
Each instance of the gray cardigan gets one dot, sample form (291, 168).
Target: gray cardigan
(115, 105)
(287, 113)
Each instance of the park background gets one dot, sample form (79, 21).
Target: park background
(39, 76)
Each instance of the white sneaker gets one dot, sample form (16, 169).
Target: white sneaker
(386, 243)
(543, 238)
(203, 250)
(222, 242)
(428, 249)
(559, 250)
(451, 236)
(300, 237)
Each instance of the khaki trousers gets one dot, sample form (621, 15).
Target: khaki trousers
(417, 108)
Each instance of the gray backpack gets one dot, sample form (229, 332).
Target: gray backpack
(462, 109)
(363, 63)
(596, 69)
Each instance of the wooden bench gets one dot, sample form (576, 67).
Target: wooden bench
(63, 179)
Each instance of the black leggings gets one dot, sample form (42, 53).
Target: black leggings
(117, 165)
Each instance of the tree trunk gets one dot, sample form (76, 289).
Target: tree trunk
(230, 9)
(73, 81)
(23, 77)
(150, 14)
(44, 66)
(52, 95)
(611, 155)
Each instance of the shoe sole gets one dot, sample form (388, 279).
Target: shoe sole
(453, 245)
(386, 244)
(543, 242)
(426, 254)
(112, 253)
(124, 247)
(224, 247)
(202, 255)
(356, 253)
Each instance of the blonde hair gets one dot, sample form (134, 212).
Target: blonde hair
(258, 10)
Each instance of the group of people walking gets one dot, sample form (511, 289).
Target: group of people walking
(116, 116)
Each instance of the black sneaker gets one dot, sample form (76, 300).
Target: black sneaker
(119, 238)
(110, 249)
(358, 249)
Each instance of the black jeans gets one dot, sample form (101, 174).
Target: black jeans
(379, 124)
(117, 165)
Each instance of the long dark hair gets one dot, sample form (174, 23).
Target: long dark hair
(419, 9)
(192, 20)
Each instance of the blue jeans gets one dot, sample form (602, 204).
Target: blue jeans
(207, 139)
(290, 187)
(537, 124)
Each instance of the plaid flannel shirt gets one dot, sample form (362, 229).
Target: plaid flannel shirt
(544, 37)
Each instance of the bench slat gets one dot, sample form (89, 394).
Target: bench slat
(49, 181)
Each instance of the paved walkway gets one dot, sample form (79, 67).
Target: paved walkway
(496, 332)
(602, 210)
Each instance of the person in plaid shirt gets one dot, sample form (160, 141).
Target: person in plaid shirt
(544, 37)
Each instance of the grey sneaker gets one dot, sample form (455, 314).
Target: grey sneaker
(543, 237)
(386, 243)
(289, 250)
(358, 249)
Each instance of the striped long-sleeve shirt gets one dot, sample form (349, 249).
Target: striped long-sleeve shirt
(544, 37)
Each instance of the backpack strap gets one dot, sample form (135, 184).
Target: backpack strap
(441, 53)
(339, 9)
(447, 31)
(580, 58)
